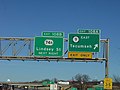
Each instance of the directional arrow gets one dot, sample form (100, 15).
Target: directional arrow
(95, 46)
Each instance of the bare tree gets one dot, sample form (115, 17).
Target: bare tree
(78, 77)
(82, 77)
(116, 78)
(55, 80)
(45, 80)
(86, 78)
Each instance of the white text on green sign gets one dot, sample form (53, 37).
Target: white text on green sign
(84, 42)
(90, 31)
(48, 46)
(55, 34)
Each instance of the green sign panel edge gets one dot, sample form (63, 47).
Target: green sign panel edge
(50, 34)
(84, 34)
(48, 55)
(89, 31)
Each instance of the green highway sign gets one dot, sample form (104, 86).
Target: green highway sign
(90, 31)
(54, 34)
(84, 42)
(48, 46)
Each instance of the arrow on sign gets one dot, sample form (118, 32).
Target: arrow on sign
(95, 46)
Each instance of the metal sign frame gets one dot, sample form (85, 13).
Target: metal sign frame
(17, 45)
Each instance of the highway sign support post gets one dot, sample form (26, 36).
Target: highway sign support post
(107, 59)
(107, 84)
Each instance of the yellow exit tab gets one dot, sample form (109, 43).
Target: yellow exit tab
(86, 55)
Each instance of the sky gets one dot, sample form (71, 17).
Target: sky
(28, 18)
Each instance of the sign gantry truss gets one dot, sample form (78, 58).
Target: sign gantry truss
(21, 48)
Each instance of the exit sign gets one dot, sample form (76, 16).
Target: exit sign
(53, 34)
(85, 55)
(89, 31)
(48, 46)
(84, 42)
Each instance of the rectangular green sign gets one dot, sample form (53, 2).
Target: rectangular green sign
(48, 46)
(54, 34)
(84, 42)
(90, 31)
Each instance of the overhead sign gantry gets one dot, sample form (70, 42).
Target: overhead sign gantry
(83, 46)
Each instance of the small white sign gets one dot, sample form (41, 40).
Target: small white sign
(53, 86)
(66, 83)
